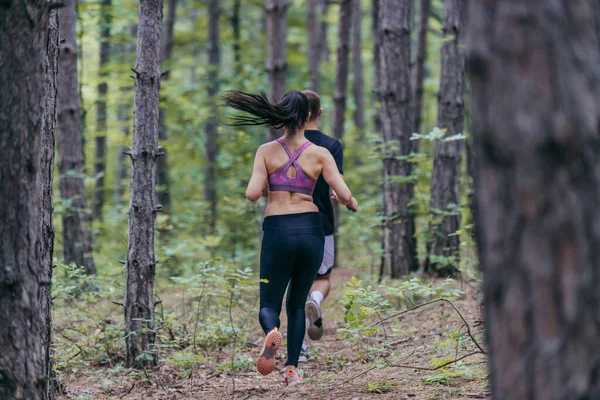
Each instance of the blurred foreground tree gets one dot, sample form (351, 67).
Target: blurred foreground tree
(537, 167)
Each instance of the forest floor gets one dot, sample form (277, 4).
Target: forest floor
(420, 339)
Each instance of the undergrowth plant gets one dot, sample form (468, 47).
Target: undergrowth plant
(202, 319)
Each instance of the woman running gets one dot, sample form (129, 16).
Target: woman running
(293, 239)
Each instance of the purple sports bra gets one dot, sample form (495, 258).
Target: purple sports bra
(302, 183)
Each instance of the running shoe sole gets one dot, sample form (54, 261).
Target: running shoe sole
(266, 360)
(313, 313)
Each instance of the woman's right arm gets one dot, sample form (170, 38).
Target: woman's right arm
(334, 179)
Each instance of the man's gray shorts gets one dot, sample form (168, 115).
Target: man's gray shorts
(328, 256)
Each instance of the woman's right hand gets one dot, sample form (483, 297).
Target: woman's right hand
(352, 205)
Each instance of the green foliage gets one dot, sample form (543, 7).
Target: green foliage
(459, 372)
(361, 304)
(244, 363)
(380, 387)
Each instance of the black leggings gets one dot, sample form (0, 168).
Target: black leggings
(292, 251)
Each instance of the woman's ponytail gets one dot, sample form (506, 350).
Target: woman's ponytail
(291, 112)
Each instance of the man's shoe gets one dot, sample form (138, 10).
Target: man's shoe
(315, 321)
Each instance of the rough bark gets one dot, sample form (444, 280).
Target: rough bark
(376, 71)
(276, 12)
(124, 115)
(23, 41)
(163, 191)
(396, 128)
(46, 193)
(77, 238)
(419, 71)
(376, 99)
(100, 160)
(314, 42)
(444, 248)
(212, 122)
(324, 53)
(342, 69)
(535, 74)
(139, 302)
(237, 37)
(358, 84)
(341, 87)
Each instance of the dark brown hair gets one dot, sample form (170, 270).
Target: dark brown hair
(290, 112)
(314, 102)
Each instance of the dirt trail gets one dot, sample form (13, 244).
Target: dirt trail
(420, 337)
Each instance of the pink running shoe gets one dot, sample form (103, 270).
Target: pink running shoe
(291, 376)
(266, 360)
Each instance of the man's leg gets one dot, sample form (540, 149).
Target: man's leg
(319, 291)
(320, 288)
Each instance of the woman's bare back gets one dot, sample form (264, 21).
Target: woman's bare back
(311, 162)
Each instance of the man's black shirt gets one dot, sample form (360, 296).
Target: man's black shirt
(321, 194)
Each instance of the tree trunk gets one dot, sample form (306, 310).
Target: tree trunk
(77, 238)
(376, 71)
(46, 192)
(23, 40)
(324, 52)
(163, 191)
(100, 162)
(419, 72)
(358, 87)
(314, 45)
(212, 122)
(445, 182)
(124, 115)
(141, 263)
(276, 12)
(237, 37)
(535, 125)
(342, 68)
(341, 87)
(396, 126)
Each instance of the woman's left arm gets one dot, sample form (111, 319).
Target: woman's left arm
(258, 181)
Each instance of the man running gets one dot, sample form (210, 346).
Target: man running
(322, 198)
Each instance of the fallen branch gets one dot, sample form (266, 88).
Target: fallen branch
(381, 321)
(414, 367)
(129, 391)
(435, 368)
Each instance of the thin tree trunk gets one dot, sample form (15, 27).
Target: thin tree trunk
(537, 147)
(140, 336)
(314, 42)
(46, 192)
(100, 162)
(376, 70)
(445, 182)
(324, 53)
(23, 41)
(237, 37)
(276, 13)
(341, 88)
(358, 86)
(396, 121)
(376, 99)
(77, 238)
(124, 115)
(342, 69)
(163, 191)
(212, 122)
(419, 71)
